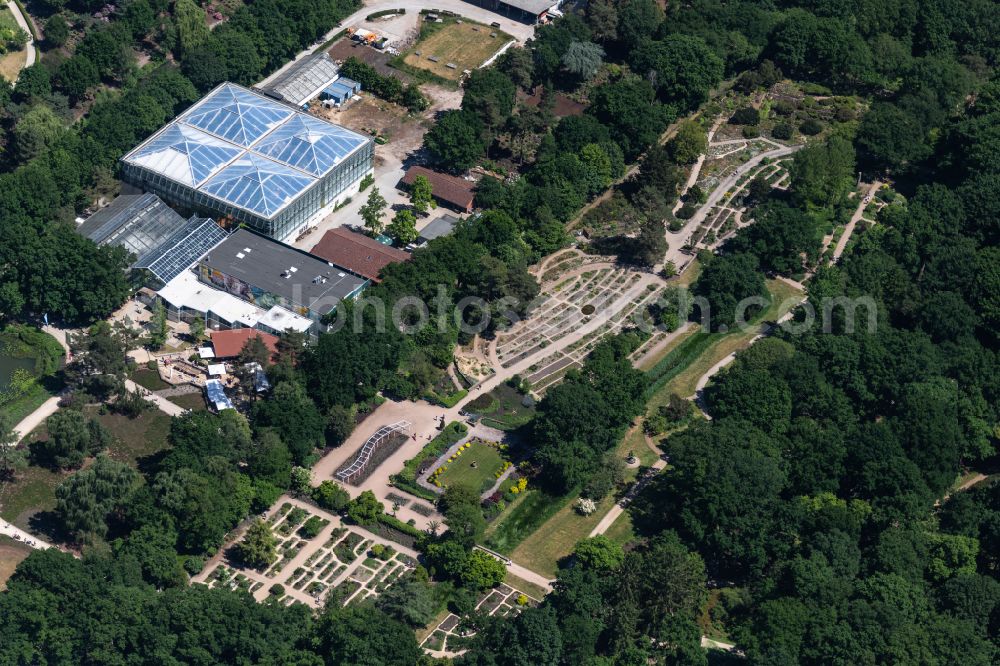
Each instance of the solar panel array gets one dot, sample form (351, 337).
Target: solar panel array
(189, 244)
(245, 149)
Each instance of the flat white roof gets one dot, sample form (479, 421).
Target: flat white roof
(279, 319)
(187, 291)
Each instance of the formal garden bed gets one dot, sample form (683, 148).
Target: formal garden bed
(503, 408)
(406, 479)
(477, 464)
(502, 601)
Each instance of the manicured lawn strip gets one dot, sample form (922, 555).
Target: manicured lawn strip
(523, 517)
(149, 379)
(27, 403)
(557, 536)
(683, 383)
(680, 358)
(635, 441)
(193, 401)
(11, 554)
(505, 411)
(461, 471)
(621, 531)
(653, 361)
(529, 588)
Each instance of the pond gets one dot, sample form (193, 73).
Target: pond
(9, 364)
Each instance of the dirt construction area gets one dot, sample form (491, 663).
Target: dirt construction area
(446, 49)
(370, 115)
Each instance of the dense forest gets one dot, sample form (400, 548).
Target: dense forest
(807, 514)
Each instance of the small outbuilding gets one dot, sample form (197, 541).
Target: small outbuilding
(452, 191)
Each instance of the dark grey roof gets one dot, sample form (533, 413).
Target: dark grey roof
(303, 79)
(442, 226)
(268, 265)
(161, 240)
(535, 7)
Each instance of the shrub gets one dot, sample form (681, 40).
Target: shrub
(751, 132)
(586, 506)
(194, 564)
(277, 590)
(745, 116)
(367, 182)
(783, 131)
(312, 527)
(686, 212)
(331, 496)
(811, 127)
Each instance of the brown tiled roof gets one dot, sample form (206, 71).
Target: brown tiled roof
(451, 190)
(356, 252)
(229, 344)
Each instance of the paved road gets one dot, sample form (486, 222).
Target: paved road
(23, 23)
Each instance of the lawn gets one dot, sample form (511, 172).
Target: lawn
(193, 401)
(699, 353)
(43, 355)
(621, 531)
(33, 491)
(651, 362)
(522, 518)
(149, 379)
(475, 467)
(11, 63)
(136, 438)
(552, 540)
(501, 408)
(556, 538)
(11, 554)
(466, 45)
(406, 479)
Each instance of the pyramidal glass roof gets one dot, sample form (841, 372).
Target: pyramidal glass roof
(184, 154)
(245, 149)
(257, 184)
(308, 144)
(237, 115)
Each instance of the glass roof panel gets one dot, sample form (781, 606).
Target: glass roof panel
(257, 184)
(237, 115)
(310, 145)
(184, 154)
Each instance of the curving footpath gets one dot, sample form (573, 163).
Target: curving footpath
(22, 21)
(20, 535)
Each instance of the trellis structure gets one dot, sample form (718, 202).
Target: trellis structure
(375, 450)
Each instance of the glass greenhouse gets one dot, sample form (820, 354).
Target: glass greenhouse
(239, 155)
